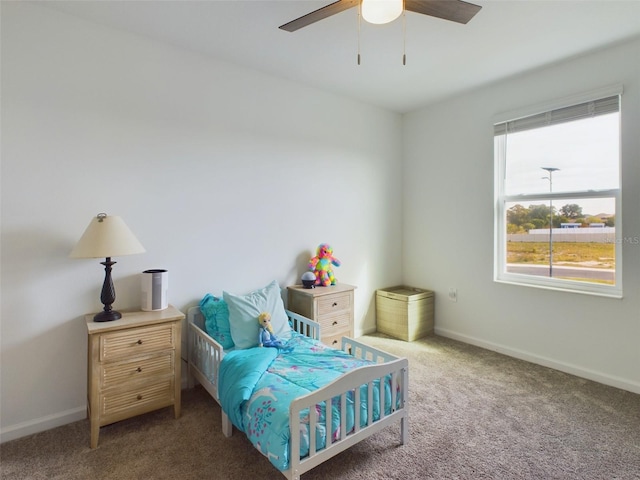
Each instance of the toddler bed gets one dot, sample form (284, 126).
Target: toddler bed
(300, 406)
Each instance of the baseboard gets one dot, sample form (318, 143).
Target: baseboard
(599, 377)
(43, 423)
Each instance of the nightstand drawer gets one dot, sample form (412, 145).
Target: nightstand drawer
(136, 341)
(118, 373)
(334, 341)
(338, 323)
(334, 304)
(119, 402)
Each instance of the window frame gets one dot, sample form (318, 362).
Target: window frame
(501, 200)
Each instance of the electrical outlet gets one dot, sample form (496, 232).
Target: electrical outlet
(453, 294)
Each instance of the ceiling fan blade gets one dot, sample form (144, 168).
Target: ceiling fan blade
(454, 10)
(321, 13)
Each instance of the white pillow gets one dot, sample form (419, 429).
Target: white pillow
(245, 309)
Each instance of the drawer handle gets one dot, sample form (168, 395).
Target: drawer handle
(139, 342)
(335, 304)
(139, 397)
(335, 322)
(334, 342)
(139, 369)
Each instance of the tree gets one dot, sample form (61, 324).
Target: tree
(572, 211)
(539, 212)
(517, 215)
(539, 222)
(512, 228)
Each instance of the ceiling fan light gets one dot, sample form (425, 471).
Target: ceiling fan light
(381, 11)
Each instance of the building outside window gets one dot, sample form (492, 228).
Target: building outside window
(557, 195)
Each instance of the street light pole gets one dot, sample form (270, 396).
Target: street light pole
(550, 178)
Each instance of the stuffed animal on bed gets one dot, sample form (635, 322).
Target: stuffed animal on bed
(322, 265)
(267, 338)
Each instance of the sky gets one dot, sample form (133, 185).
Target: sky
(586, 152)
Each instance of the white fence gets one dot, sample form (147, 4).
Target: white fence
(587, 234)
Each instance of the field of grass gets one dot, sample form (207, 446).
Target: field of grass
(593, 255)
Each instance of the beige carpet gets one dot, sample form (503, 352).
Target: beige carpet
(474, 414)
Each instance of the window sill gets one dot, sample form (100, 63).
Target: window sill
(566, 286)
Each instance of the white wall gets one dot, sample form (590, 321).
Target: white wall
(228, 177)
(448, 180)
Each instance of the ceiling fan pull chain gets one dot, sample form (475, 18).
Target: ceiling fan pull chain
(404, 34)
(359, 24)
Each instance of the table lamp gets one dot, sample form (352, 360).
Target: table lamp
(107, 236)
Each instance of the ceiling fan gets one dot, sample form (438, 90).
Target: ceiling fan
(454, 10)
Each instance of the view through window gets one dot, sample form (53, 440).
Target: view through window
(557, 196)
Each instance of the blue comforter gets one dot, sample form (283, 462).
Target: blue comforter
(257, 385)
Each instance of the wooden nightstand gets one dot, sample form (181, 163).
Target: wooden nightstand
(331, 307)
(134, 366)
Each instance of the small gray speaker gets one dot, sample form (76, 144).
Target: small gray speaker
(155, 284)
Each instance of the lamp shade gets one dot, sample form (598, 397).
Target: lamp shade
(381, 11)
(106, 236)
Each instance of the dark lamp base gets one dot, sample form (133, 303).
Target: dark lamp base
(107, 296)
(107, 316)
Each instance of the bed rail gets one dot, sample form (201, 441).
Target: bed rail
(304, 325)
(205, 354)
(393, 371)
(365, 352)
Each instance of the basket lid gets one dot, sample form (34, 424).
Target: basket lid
(405, 293)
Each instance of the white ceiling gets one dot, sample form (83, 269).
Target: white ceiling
(443, 58)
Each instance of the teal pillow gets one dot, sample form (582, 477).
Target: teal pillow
(216, 320)
(245, 309)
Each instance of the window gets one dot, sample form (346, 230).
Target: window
(557, 193)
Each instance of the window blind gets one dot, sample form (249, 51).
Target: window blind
(579, 111)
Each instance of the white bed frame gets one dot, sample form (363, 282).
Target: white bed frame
(205, 355)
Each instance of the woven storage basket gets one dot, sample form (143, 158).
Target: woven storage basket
(404, 312)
